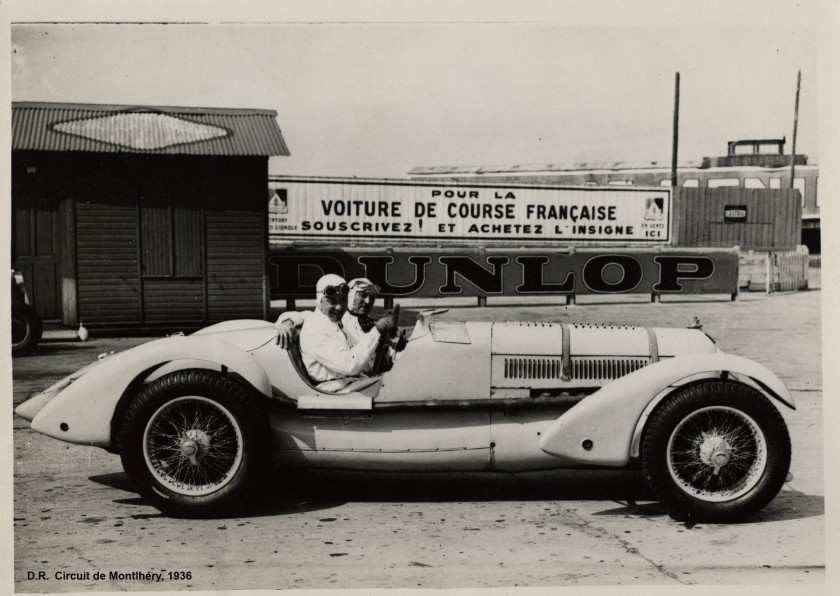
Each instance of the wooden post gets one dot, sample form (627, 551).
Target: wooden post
(676, 131)
(795, 125)
(768, 269)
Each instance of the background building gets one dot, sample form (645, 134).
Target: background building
(142, 216)
(749, 165)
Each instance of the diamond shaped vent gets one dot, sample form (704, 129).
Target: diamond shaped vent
(141, 130)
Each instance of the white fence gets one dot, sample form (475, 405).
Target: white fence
(774, 271)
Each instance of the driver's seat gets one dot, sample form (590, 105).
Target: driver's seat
(297, 362)
(300, 367)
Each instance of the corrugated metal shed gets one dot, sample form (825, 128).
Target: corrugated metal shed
(153, 130)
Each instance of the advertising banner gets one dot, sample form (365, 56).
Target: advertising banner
(342, 209)
(435, 273)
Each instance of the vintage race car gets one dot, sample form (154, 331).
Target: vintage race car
(196, 419)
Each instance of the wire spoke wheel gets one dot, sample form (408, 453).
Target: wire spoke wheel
(717, 454)
(193, 445)
(717, 451)
(195, 442)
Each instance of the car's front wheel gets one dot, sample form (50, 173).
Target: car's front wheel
(193, 441)
(716, 452)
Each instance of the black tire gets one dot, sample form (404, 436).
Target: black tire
(26, 328)
(724, 423)
(194, 441)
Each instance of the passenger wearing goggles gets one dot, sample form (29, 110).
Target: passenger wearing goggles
(338, 343)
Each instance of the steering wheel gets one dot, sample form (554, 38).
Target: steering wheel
(381, 350)
(384, 343)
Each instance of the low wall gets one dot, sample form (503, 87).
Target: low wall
(426, 272)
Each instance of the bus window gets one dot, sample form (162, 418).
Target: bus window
(799, 184)
(753, 183)
(691, 183)
(718, 182)
(775, 182)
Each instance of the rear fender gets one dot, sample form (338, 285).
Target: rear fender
(602, 429)
(84, 411)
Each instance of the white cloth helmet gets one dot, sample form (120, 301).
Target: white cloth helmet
(330, 280)
(361, 284)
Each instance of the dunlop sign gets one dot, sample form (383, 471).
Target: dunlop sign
(430, 273)
(309, 210)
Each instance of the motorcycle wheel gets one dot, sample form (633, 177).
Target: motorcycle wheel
(193, 442)
(716, 452)
(26, 328)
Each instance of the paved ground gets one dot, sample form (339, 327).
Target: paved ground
(75, 510)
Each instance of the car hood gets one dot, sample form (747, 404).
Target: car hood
(590, 340)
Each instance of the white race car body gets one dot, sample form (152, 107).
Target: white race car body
(474, 396)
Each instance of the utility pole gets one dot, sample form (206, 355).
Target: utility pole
(676, 131)
(795, 124)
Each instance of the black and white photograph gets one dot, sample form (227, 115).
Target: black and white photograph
(419, 296)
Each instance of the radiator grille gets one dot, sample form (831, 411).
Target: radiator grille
(605, 368)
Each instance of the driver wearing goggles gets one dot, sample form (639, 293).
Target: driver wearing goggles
(338, 340)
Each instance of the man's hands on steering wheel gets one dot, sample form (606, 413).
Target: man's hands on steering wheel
(387, 325)
(399, 342)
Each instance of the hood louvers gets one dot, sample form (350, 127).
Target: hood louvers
(583, 368)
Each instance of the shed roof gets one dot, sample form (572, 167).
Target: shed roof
(158, 130)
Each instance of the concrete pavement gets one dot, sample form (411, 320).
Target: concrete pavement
(75, 510)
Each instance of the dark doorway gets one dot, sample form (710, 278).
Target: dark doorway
(811, 239)
(35, 249)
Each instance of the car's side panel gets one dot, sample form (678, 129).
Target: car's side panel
(599, 430)
(430, 370)
(397, 441)
(82, 412)
(516, 438)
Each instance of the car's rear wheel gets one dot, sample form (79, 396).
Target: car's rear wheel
(716, 452)
(26, 328)
(193, 441)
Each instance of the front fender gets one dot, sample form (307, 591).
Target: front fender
(82, 412)
(600, 429)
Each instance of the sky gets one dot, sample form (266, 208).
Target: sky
(365, 99)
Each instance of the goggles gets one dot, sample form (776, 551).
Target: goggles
(365, 285)
(336, 291)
